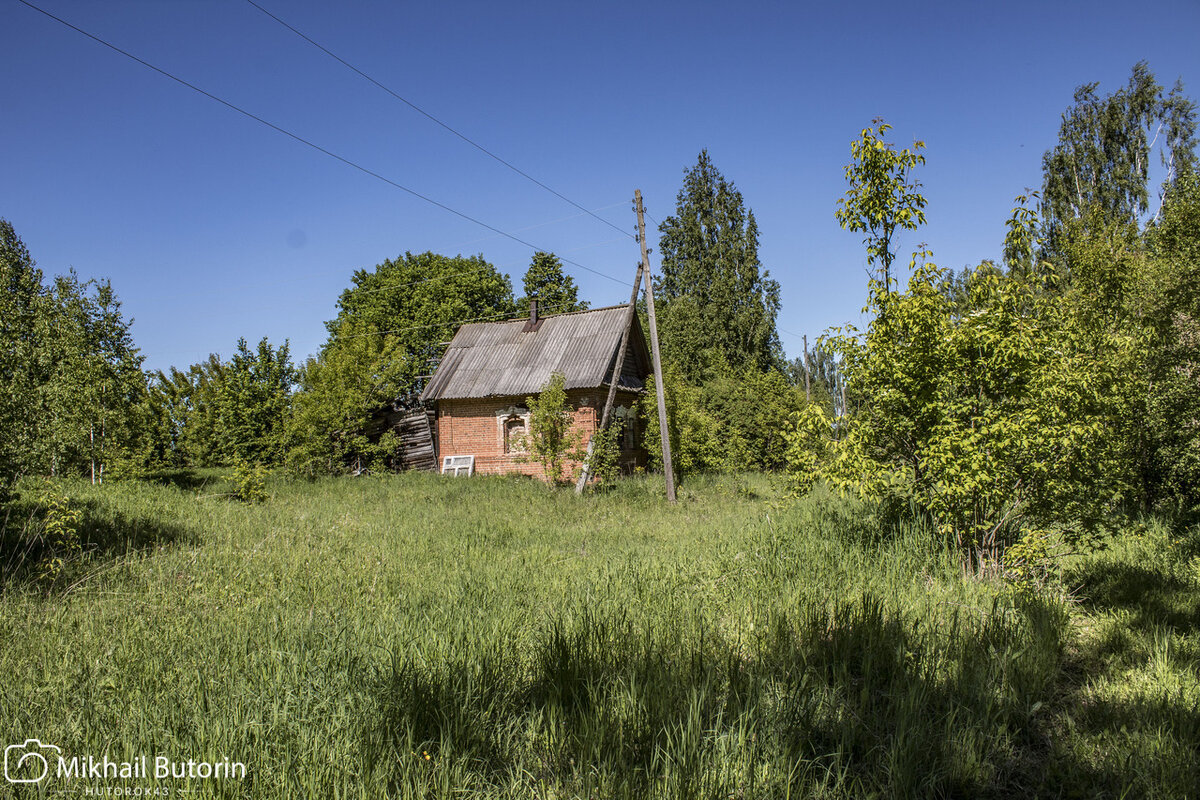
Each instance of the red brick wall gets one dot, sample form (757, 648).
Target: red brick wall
(476, 428)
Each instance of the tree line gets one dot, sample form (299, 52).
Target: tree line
(1044, 392)
(76, 400)
(1025, 406)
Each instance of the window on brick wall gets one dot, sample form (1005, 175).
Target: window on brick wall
(514, 434)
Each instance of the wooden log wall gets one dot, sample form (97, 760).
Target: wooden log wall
(418, 450)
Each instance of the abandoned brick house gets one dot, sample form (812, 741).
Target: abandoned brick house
(480, 387)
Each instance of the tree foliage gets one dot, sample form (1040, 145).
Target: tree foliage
(417, 301)
(555, 290)
(339, 389)
(883, 197)
(253, 403)
(716, 298)
(93, 402)
(735, 421)
(1168, 304)
(186, 414)
(1105, 145)
(1009, 404)
(385, 339)
(218, 413)
(73, 396)
(551, 439)
(22, 303)
(1005, 418)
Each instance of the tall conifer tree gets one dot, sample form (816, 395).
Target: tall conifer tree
(719, 304)
(556, 290)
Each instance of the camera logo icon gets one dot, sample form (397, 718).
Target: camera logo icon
(27, 763)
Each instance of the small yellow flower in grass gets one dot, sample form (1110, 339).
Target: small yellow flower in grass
(426, 754)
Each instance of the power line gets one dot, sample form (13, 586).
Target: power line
(536, 225)
(509, 265)
(777, 328)
(434, 119)
(304, 141)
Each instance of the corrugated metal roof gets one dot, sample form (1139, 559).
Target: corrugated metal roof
(499, 359)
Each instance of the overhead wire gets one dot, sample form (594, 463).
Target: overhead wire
(777, 328)
(361, 168)
(302, 140)
(434, 119)
(536, 225)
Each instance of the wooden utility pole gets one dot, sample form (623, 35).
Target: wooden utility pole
(664, 435)
(807, 390)
(585, 473)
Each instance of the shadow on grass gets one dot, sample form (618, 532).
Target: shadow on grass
(184, 479)
(1133, 704)
(1155, 596)
(104, 534)
(852, 700)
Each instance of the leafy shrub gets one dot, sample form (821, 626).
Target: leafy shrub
(699, 441)
(735, 420)
(809, 445)
(604, 463)
(60, 534)
(991, 421)
(551, 440)
(1035, 559)
(249, 482)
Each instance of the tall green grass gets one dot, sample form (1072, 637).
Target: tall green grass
(414, 636)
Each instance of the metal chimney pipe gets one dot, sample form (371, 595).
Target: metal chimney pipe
(533, 315)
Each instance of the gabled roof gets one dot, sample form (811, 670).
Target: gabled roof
(500, 359)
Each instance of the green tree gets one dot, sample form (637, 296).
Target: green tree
(72, 392)
(253, 403)
(551, 440)
(718, 303)
(555, 290)
(386, 337)
(1105, 144)
(994, 423)
(417, 300)
(191, 402)
(171, 397)
(1168, 304)
(697, 443)
(883, 197)
(753, 408)
(92, 402)
(339, 389)
(22, 302)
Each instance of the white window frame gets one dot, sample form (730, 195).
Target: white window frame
(455, 465)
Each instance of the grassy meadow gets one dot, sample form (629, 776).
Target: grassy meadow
(417, 636)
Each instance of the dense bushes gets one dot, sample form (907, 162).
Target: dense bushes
(1011, 401)
(734, 421)
(1000, 418)
(72, 393)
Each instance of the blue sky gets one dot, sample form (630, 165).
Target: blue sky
(212, 226)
